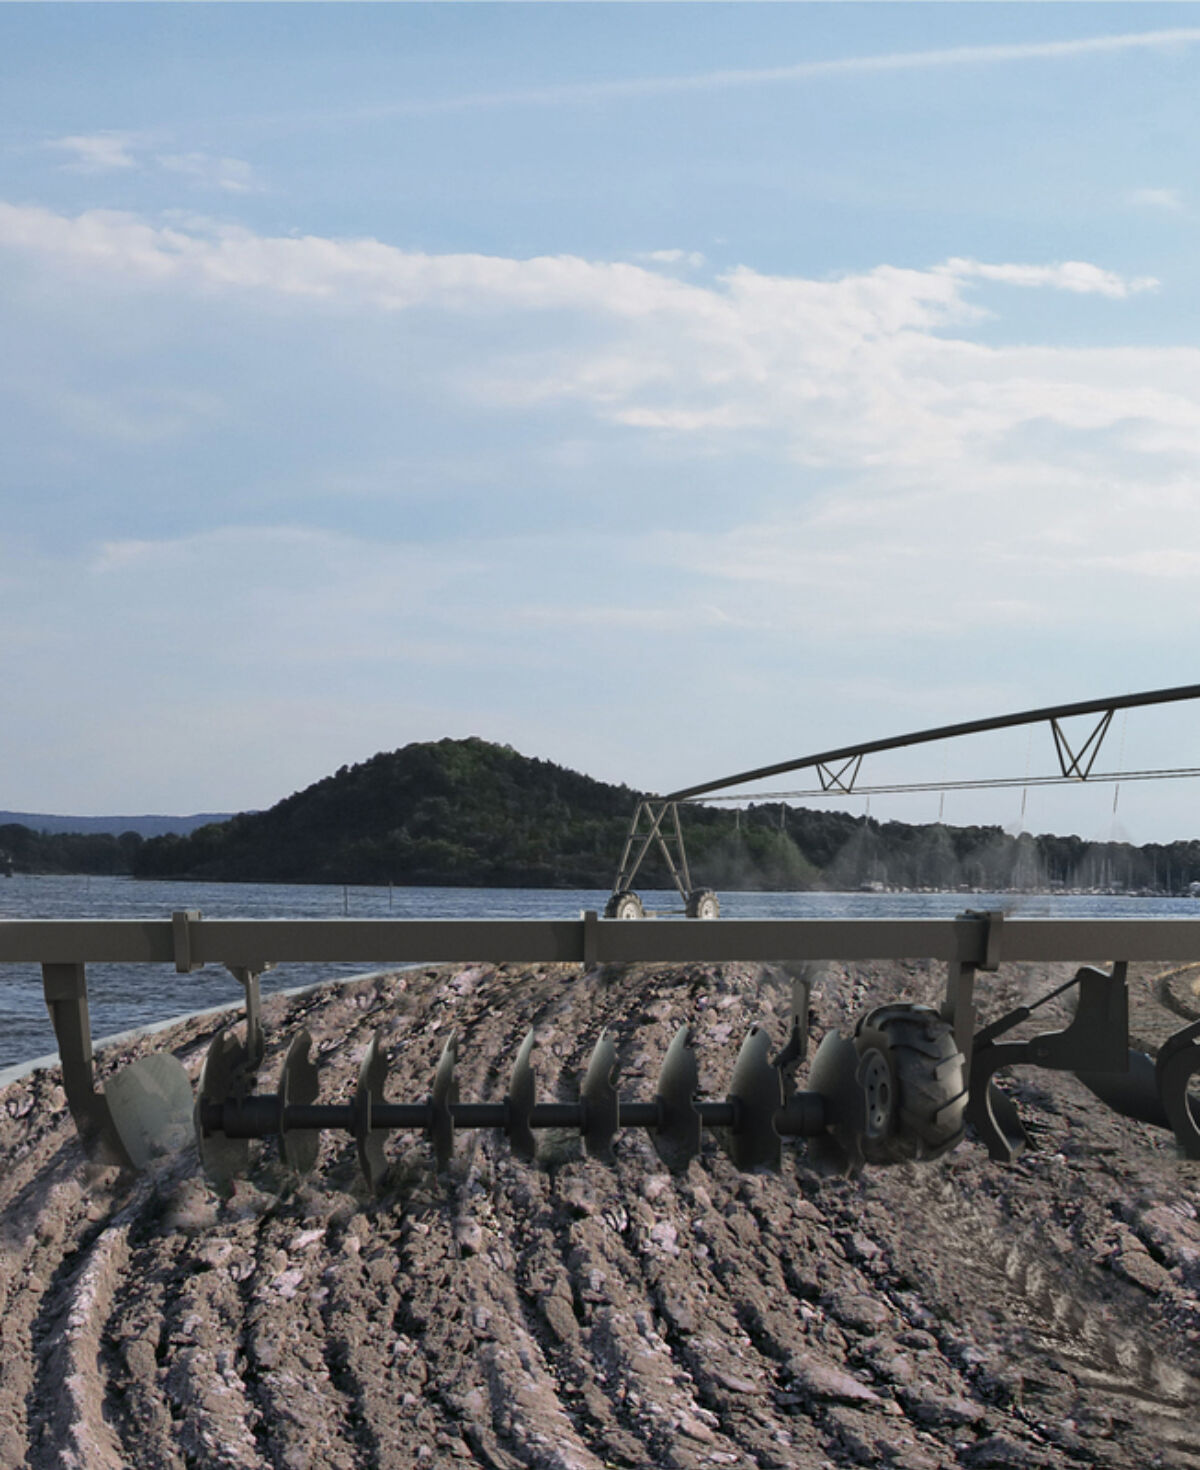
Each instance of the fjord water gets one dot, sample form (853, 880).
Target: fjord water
(123, 997)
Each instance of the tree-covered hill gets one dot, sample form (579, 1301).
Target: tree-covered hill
(445, 812)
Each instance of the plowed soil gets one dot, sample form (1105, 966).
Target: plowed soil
(960, 1313)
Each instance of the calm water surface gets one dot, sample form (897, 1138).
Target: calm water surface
(126, 996)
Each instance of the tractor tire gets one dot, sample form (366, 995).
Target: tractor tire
(911, 1049)
(624, 905)
(702, 903)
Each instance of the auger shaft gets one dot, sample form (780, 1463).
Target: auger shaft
(759, 1110)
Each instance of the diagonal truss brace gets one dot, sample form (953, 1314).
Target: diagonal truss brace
(1079, 763)
(832, 780)
(655, 813)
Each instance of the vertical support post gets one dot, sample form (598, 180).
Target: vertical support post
(959, 1009)
(959, 1005)
(65, 989)
(591, 938)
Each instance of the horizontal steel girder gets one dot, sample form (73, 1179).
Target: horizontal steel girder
(254, 943)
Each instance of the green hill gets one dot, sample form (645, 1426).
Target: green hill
(446, 812)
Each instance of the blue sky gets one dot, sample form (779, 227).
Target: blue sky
(665, 390)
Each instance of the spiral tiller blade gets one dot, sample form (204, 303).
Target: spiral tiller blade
(851, 1098)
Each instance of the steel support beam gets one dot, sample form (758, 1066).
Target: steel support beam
(252, 943)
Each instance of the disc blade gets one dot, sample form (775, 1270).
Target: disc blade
(600, 1106)
(522, 1090)
(372, 1076)
(223, 1077)
(757, 1090)
(445, 1094)
(677, 1137)
(151, 1103)
(298, 1083)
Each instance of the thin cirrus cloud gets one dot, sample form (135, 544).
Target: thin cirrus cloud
(1170, 200)
(233, 175)
(950, 57)
(112, 152)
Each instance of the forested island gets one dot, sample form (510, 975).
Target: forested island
(473, 813)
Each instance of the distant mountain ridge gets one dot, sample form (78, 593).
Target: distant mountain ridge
(144, 826)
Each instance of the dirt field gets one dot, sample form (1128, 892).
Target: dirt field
(952, 1314)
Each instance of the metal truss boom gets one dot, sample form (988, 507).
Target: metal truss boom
(1077, 766)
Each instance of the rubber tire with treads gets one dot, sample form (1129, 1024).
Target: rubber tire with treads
(624, 905)
(927, 1068)
(702, 903)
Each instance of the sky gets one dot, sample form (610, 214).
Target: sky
(664, 390)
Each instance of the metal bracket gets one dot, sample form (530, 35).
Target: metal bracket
(1097, 1040)
(185, 941)
(992, 921)
(256, 1041)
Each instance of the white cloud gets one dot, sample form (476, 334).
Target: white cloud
(98, 152)
(922, 483)
(353, 271)
(233, 175)
(1168, 199)
(1069, 275)
(868, 370)
(884, 301)
(691, 258)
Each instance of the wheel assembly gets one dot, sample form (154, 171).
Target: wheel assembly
(912, 1078)
(624, 905)
(702, 903)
